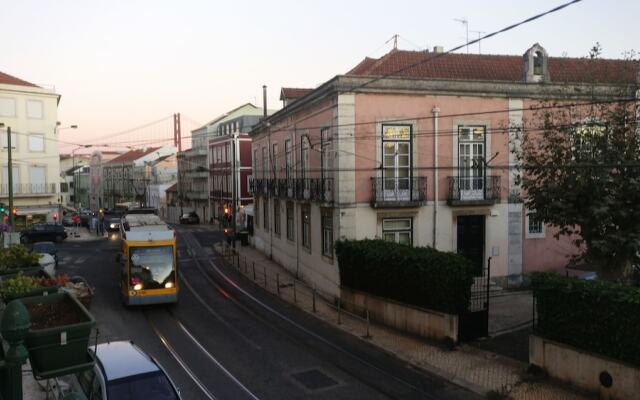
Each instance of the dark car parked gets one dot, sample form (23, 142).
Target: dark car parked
(85, 217)
(112, 222)
(46, 248)
(43, 232)
(190, 218)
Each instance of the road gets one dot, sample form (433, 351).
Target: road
(227, 339)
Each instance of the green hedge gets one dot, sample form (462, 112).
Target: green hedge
(596, 316)
(414, 275)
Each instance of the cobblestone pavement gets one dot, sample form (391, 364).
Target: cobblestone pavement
(477, 370)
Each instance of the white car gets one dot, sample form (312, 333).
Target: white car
(48, 263)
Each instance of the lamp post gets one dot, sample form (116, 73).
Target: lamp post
(9, 174)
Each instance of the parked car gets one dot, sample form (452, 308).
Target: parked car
(46, 248)
(67, 219)
(85, 217)
(43, 232)
(190, 218)
(124, 371)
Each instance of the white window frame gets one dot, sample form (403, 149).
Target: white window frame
(274, 159)
(291, 229)
(34, 135)
(277, 217)
(9, 100)
(288, 159)
(305, 226)
(265, 161)
(28, 110)
(395, 231)
(533, 235)
(326, 228)
(3, 140)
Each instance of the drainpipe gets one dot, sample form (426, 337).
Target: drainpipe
(435, 111)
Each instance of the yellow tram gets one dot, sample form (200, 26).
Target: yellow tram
(148, 261)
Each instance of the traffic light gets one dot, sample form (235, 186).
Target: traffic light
(55, 216)
(14, 211)
(2, 209)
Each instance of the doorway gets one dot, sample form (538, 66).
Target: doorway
(471, 240)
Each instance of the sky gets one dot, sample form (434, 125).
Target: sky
(120, 64)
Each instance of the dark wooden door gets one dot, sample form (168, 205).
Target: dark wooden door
(471, 240)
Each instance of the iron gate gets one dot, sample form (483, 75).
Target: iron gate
(474, 323)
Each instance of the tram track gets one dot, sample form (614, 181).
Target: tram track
(214, 280)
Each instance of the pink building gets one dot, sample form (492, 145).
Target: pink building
(421, 157)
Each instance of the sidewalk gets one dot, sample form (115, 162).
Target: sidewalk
(479, 371)
(83, 234)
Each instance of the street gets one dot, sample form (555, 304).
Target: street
(227, 339)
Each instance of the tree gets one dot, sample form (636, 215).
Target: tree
(580, 172)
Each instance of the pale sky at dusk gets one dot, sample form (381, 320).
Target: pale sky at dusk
(119, 64)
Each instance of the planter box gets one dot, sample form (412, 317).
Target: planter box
(10, 273)
(56, 350)
(611, 379)
(403, 317)
(41, 291)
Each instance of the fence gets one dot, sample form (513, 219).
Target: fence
(297, 292)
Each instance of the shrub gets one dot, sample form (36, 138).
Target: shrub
(420, 276)
(601, 317)
(17, 256)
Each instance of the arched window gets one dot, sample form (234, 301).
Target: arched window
(538, 59)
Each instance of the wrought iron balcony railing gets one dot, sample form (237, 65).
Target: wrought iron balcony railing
(398, 192)
(308, 189)
(29, 189)
(472, 190)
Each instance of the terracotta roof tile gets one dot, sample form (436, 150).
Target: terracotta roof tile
(487, 67)
(133, 155)
(293, 93)
(12, 80)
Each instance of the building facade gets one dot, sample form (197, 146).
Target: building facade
(126, 178)
(424, 158)
(32, 114)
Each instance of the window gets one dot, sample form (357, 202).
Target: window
(274, 159)
(15, 173)
(276, 217)
(471, 158)
(265, 214)
(290, 222)
(538, 60)
(3, 139)
(396, 161)
(227, 153)
(255, 162)
(36, 143)
(325, 142)
(288, 159)
(304, 156)
(35, 109)
(256, 212)
(7, 107)
(588, 140)
(305, 218)
(37, 179)
(398, 230)
(265, 161)
(534, 227)
(327, 232)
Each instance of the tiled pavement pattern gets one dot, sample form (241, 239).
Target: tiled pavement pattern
(474, 369)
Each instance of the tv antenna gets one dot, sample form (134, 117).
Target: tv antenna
(465, 22)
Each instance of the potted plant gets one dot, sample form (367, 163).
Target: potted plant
(59, 335)
(18, 258)
(34, 284)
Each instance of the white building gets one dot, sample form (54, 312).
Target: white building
(32, 114)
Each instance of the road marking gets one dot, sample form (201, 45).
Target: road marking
(80, 260)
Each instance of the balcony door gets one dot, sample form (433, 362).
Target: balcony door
(471, 156)
(396, 162)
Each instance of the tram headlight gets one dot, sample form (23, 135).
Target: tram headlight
(168, 285)
(137, 286)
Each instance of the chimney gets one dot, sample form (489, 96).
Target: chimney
(264, 100)
(438, 49)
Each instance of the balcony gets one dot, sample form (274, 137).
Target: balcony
(29, 189)
(305, 189)
(398, 192)
(473, 191)
(313, 189)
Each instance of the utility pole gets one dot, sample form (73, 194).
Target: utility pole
(10, 176)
